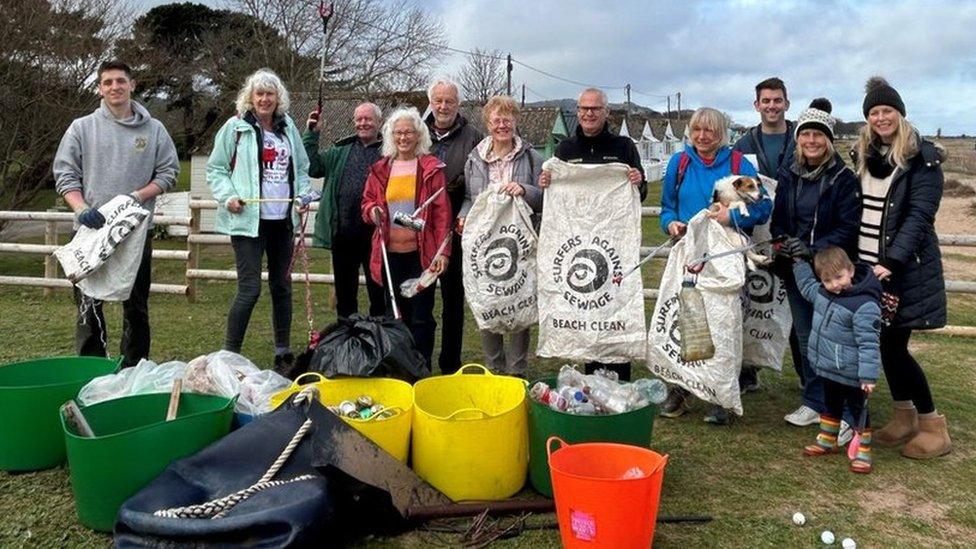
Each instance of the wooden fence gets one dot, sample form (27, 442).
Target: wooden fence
(195, 239)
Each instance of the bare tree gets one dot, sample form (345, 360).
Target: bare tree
(49, 51)
(483, 75)
(371, 45)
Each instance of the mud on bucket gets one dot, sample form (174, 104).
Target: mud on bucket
(606, 494)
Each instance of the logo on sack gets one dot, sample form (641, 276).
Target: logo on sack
(586, 270)
(666, 328)
(759, 286)
(141, 144)
(495, 256)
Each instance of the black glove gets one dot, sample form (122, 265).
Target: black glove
(797, 250)
(91, 218)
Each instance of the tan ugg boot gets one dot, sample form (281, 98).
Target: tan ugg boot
(931, 441)
(900, 429)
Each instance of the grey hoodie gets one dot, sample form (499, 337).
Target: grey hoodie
(103, 157)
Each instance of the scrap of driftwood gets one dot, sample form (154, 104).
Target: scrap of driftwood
(74, 416)
(174, 400)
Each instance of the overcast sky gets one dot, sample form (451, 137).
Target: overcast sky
(714, 52)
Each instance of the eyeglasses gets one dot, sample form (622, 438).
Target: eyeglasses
(590, 110)
(502, 122)
(404, 133)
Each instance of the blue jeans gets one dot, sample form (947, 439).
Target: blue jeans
(802, 312)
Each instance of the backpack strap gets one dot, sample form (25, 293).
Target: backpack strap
(683, 161)
(736, 162)
(233, 156)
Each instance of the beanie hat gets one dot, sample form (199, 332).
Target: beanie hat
(816, 117)
(877, 91)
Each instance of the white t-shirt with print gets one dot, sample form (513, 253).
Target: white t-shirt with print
(275, 159)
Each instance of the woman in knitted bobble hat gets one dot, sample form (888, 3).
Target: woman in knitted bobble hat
(816, 202)
(901, 187)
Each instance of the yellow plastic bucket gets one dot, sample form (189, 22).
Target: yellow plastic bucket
(470, 434)
(391, 434)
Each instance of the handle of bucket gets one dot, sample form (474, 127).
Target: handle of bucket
(484, 371)
(395, 409)
(483, 413)
(549, 442)
(318, 378)
(664, 461)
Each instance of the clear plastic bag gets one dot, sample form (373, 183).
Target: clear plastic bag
(256, 391)
(218, 373)
(143, 378)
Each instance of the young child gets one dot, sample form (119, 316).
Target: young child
(843, 346)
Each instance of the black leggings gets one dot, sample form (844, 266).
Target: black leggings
(904, 374)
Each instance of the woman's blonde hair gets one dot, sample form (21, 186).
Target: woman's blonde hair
(502, 104)
(711, 119)
(262, 80)
(423, 134)
(903, 147)
(798, 157)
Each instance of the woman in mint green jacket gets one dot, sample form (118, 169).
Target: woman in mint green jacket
(258, 172)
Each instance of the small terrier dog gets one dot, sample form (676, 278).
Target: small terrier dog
(737, 192)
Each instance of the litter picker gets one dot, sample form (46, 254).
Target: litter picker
(325, 13)
(697, 265)
(618, 279)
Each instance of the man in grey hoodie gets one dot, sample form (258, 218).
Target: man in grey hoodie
(118, 149)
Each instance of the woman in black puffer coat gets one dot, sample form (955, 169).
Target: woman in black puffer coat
(901, 186)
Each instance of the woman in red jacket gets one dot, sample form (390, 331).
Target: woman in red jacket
(406, 177)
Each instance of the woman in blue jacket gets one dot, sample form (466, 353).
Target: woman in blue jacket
(258, 172)
(687, 190)
(818, 201)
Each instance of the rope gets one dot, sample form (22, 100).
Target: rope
(301, 250)
(218, 508)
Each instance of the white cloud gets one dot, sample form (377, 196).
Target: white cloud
(715, 52)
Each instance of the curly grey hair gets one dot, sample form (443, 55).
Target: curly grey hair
(423, 134)
(262, 80)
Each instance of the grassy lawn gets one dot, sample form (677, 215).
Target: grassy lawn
(748, 476)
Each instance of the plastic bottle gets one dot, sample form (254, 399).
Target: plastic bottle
(569, 376)
(572, 394)
(600, 390)
(540, 392)
(608, 374)
(584, 408)
(696, 338)
(654, 390)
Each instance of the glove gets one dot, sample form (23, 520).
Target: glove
(797, 250)
(91, 218)
(306, 199)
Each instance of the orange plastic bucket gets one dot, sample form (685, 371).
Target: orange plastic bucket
(606, 494)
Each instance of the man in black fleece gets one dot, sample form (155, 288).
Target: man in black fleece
(594, 144)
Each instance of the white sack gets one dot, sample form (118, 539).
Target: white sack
(499, 262)
(766, 318)
(715, 380)
(591, 231)
(104, 262)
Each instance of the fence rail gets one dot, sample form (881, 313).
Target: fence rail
(196, 238)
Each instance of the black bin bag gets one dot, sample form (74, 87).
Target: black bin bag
(360, 346)
(295, 514)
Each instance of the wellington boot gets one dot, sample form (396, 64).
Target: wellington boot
(900, 429)
(931, 441)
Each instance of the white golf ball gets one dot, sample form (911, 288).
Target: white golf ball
(848, 543)
(799, 519)
(827, 537)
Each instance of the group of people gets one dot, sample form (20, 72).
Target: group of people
(869, 231)
(871, 235)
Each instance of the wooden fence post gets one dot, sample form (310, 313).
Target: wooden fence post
(193, 257)
(51, 239)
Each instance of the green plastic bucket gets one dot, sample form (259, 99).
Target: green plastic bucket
(30, 394)
(133, 444)
(634, 428)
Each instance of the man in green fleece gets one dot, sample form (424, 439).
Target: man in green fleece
(118, 149)
(339, 224)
